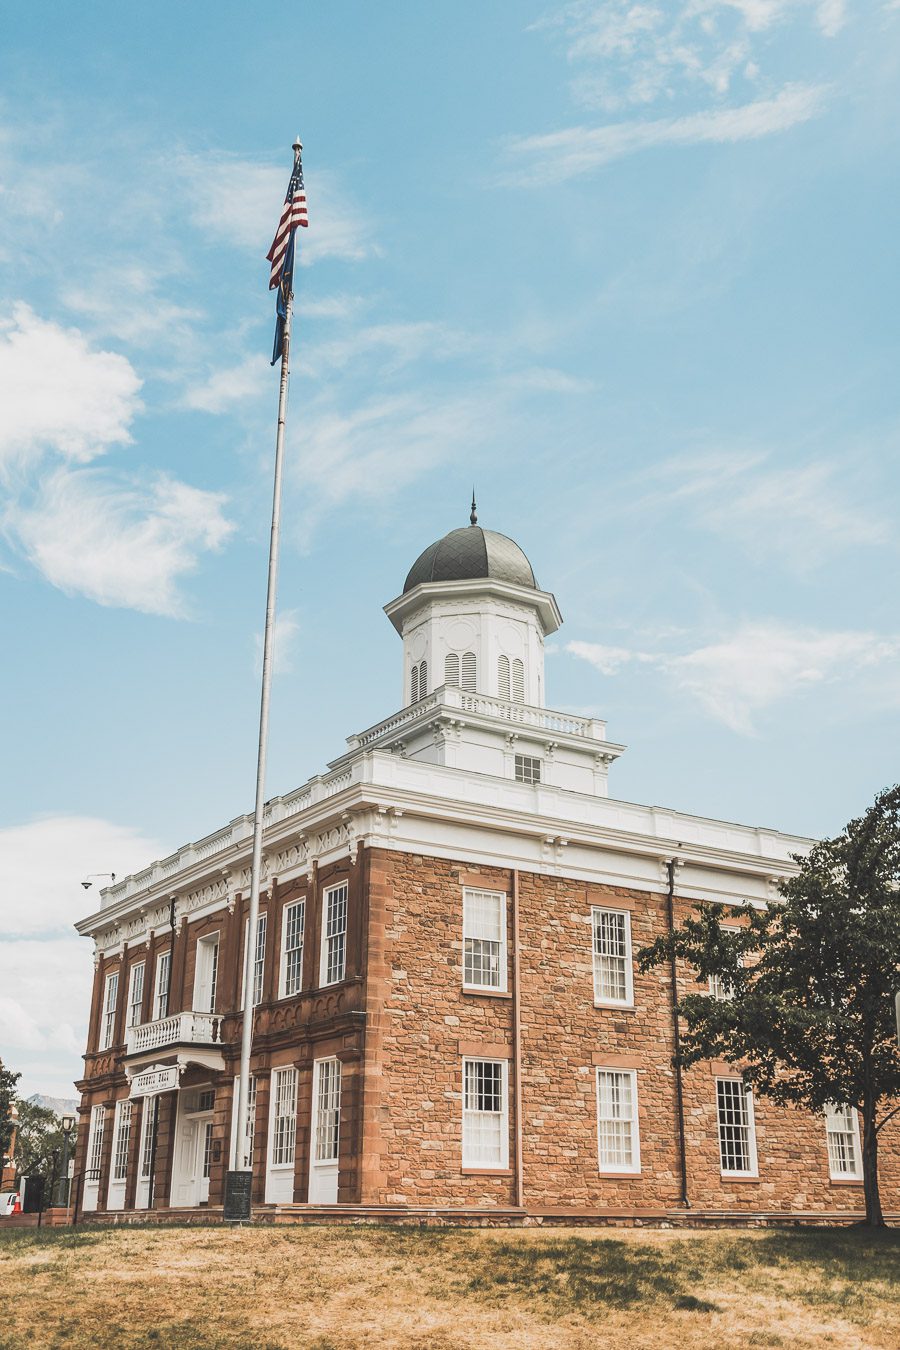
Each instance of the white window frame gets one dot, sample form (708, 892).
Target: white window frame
(325, 963)
(623, 1169)
(136, 994)
(289, 985)
(527, 769)
(94, 1153)
(718, 990)
(472, 894)
(283, 1118)
(750, 1126)
(327, 1111)
(843, 1115)
(160, 993)
(245, 1161)
(259, 959)
(207, 974)
(121, 1141)
(471, 1119)
(110, 1005)
(601, 999)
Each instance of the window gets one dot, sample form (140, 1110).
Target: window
(292, 948)
(720, 989)
(110, 1000)
(246, 1159)
(528, 769)
(451, 669)
(206, 974)
(334, 935)
(147, 1130)
(284, 1117)
(206, 1100)
(259, 958)
(135, 994)
(485, 1129)
(328, 1110)
(467, 678)
(842, 1135)
(161, 997)
(95, 1143)
(484, 939)
(207, 1148)
(617, 1123)
(503, 676)
(418, 682)
(123, 1134)
(737, 1136)
(612, 957)
(518, 681)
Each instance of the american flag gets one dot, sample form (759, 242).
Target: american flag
(292, 215)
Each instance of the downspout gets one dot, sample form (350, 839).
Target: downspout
(676, 1036)
(517, 1042)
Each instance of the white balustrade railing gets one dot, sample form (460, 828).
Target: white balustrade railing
(184, 1028)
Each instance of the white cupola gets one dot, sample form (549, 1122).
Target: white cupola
(471, 615)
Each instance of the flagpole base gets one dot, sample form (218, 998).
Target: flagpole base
(237, 1197)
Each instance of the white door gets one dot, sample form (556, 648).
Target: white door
(142, 1193)
(186, 1173)
(325, 1142)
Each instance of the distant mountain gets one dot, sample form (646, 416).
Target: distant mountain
(60, 1106)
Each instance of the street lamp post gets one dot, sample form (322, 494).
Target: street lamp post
(62, 1190)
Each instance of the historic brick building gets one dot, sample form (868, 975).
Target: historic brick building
(449, 1016)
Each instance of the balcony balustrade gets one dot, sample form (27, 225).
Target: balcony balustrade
(184, 1028)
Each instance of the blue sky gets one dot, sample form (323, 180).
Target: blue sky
(629, 267)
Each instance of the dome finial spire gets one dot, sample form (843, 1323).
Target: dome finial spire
(473, 515)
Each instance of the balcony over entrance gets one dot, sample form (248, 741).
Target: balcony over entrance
(183, 1038)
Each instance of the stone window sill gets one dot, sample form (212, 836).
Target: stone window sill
(487, 1171)
(728, 1177)
(468, 989)
(846, 1181)
(615, 1007)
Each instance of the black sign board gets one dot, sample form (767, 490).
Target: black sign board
(237, 1197)
(33, 1198)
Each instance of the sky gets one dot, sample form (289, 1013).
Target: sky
(628, 267)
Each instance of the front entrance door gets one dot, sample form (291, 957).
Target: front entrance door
(193, 1140)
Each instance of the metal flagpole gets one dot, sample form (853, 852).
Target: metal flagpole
(239, 1178)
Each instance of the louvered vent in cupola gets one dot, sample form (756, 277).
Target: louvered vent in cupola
(468, 672)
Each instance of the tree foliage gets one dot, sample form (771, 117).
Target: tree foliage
(8, 1081)
(809, 1016)
(40, 1141)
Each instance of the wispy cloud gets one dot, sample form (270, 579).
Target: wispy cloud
(225, 389)
(738, 677)
(285, 644)
(799, 513)
(561, 155)
(119, 544)
(87, 408)
(244, 208)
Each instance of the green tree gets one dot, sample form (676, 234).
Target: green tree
(809, 1016)
(8, 1081)
(39, 1144)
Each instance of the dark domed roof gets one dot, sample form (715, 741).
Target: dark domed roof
(470, 553)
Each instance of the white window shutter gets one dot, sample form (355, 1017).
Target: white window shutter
(503, 676)
(468, 672)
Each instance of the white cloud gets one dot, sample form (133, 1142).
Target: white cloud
(120, 545)
(125, 303)
(43, 862)
(286, 644)
(250, 379)
(561, 155)
(757, 666)
(58, 394)
(241, 201)
(801, 513)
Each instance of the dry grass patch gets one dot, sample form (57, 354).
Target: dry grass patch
(333, 1288)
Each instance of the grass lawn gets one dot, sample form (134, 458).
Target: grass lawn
(334, 1288)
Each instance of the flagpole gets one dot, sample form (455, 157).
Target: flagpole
(238, 1182)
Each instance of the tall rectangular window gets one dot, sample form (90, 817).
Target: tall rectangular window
(612, 957)
(737, 1135)
(292, 948)
(247, 1134)
(719, 988)
(328, 1110)
(617, 1121)
(206, 973)
(110, 1000)
(485, 1124)
(123, 1135)
(95, 1143)
(161, 994)
(284, 1116)
(259, 958)
(842, 1135)
(135, 994)
(334, 935)
(484, 939)
(147, 1123)
(207, 1148)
